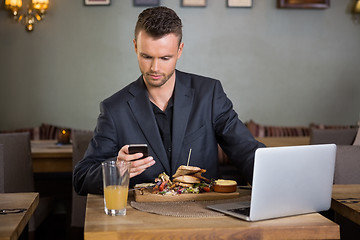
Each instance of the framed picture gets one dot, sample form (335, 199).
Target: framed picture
(146, 2)
(239, 3)
(319, 4)
(193, 3)
(96, 2)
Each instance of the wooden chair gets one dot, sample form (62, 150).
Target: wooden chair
(80, 142)
(17, 175)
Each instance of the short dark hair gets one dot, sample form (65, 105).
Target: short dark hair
(158, 22)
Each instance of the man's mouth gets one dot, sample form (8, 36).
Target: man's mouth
(155, 76)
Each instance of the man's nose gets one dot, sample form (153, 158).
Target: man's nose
(154, 65)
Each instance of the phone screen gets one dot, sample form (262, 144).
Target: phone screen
(139, 148)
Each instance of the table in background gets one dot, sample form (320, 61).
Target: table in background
(49, 157)
(12, 225)
(137, 224)
(284, 141)
(52, 167)
(346, 201)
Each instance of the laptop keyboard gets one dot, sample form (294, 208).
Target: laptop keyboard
(244, 211)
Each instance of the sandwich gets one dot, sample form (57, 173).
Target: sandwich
(187, 179)
(187, 176)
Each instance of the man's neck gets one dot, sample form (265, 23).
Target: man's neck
(160, 96)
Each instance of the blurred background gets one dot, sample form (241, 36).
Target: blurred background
(278, 66)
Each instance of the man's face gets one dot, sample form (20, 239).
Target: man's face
(157, 57)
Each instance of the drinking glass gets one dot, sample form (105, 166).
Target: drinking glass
(116, 176)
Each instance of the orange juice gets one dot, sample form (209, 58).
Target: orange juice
(116, 196)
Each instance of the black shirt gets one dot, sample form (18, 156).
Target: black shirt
(164, 122)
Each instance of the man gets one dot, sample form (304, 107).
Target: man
(171, 111)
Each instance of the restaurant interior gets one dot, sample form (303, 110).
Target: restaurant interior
(290, 68)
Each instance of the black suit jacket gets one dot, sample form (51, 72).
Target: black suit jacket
(203, 117)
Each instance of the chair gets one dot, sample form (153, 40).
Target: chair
(347, 165)
(1, 167)
(80, 142)
(227, 169)
(347, 168)
(17, 152)
(337, 136)
(17, 173)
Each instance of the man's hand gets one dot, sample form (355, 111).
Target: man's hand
(137, 166)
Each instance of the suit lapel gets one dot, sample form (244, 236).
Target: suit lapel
(183, 100)
(144, 115)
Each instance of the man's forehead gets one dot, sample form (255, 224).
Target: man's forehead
(143, 34)
(167, 42)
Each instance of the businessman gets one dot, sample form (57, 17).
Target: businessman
(169, 110)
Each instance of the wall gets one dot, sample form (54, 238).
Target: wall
(279, 67)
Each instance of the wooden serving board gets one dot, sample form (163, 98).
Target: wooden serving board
(146, 196)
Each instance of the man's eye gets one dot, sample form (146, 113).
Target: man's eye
(165, 58)
(146, 56)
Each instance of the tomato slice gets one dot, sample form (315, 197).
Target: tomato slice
(162, 185)
(206, 189)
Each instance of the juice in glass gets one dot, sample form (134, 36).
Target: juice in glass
(116, 197)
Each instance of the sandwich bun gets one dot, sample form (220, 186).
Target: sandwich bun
(185, 185)
(186, 179)
(186, 170)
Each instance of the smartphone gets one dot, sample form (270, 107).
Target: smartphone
(139, 148)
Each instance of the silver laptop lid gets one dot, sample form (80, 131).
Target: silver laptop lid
(292, 180)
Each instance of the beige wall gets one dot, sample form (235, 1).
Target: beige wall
(280, 67)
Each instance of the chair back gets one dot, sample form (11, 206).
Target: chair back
(17, 175)
(80, 142)
(337, 136)
(347, 165)
(1, 168)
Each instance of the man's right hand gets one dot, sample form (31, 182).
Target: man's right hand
(137, 166)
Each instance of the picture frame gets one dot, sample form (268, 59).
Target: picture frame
(97, 2)
(239, 3)
(193, 3)
(139, 3)
(305, 4)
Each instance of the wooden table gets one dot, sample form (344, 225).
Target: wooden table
(142, 225)
(49, 157)
(284, 141)
(12, 225)
(346, 201)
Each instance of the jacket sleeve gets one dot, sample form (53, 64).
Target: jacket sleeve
(232, 135)
(87, 175)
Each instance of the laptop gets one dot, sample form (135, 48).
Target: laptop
(287, 181)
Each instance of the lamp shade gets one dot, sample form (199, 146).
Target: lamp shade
(357, 7)
(41, 5)
(13, 3)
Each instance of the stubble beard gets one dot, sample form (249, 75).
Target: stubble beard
(159, 82)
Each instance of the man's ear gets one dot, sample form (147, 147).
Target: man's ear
(135, 46)
(181, 46)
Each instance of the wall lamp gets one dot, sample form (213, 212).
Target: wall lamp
(30, 15)
(356, 12)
